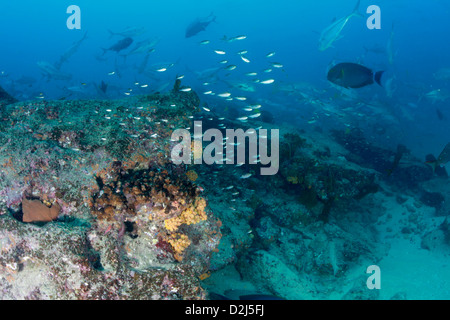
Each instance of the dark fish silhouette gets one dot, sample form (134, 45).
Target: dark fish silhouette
(103, 86)
(439, 114)
(119, 45)
(443, 158)
(70, 52)
(198, 25)
(353, 75)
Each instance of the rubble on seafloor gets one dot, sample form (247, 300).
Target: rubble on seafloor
(132, 225)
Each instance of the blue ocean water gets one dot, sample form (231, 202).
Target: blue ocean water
(411, 47)
(33, 32)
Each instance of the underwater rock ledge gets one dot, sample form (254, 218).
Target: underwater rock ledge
(129, 225)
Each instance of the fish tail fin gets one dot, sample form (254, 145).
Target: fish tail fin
(433, 164)
(378, 75)
(104, 51)
(111, 34)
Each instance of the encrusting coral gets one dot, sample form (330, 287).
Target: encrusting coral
(179, 243)
(193, 214)
(168, 200)
(192, 175)
(158, 193)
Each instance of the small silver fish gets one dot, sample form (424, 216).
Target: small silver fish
(239, 38)
(245, 59)
(268, 81)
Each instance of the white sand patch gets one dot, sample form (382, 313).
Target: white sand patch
(418, 273)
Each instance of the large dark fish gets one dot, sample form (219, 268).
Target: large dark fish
(119, 45)
(353, 75)
(333, 32)
(199, 25)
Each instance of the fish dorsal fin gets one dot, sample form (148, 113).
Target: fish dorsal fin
(355, 9)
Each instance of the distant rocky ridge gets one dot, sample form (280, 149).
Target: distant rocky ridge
(5, 98)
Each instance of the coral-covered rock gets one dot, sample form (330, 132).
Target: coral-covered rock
(103, 169)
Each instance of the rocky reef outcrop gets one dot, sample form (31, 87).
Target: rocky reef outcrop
(91, 206)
